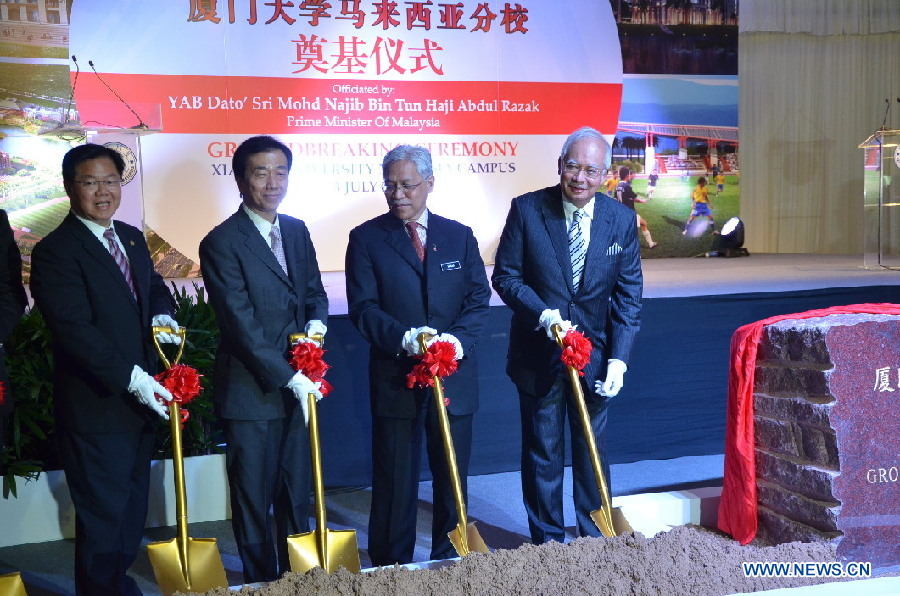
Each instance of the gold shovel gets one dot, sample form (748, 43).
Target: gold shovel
(609, 520)
(11, 585)
(328, 549)
(464, 537)
(183, 564)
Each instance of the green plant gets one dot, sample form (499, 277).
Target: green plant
(201, 434)
(30, 364)
(31, 448)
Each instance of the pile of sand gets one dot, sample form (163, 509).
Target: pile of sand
(687, 560)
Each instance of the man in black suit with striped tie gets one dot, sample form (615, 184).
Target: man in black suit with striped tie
(93, 280)
(568, 256)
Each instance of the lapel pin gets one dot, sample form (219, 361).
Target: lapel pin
(131, 242)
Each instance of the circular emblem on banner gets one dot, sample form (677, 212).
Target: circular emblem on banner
(130, 158)
(897, 156)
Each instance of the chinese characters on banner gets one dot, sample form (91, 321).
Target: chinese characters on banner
(491, 87)
(353, 55)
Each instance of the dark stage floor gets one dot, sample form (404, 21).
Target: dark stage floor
(673, 278)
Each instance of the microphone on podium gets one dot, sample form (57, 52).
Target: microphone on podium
(142, 125)
(887, 108)
(74, 83)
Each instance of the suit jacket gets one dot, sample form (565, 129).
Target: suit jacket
(389, 290)
(533, 272)
(99, 331)
(257, 306)
(12, 299)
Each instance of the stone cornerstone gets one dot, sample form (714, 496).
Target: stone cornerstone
(827, 420)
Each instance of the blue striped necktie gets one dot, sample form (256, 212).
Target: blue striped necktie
(577, 248)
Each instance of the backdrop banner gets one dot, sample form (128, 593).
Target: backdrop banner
(491, 88)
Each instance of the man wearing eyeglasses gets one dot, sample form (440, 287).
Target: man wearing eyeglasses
(411, 271)
(568, 256)
(93, 280)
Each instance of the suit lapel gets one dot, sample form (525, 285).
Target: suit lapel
(257, 246)
(294, 250)
(399, 240)
(100, 254)
(436, 237)
(138, 271)
(555, 221)
(601, 236)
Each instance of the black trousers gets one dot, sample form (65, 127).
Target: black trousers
(109, 480)
(543, 458)
(396, 456)
(269, 479)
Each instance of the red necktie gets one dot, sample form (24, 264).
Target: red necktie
(412, 226)
(119, 256)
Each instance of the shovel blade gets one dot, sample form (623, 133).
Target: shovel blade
(11, 585)
(341, 550)
(204, 571)
(619, 525)
(473, 543)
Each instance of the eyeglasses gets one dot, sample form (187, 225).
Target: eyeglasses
(97, 184)
(392, 188)
(589, 171)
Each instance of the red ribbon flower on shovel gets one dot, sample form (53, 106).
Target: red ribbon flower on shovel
(438, 360)
(306, 357)
(576, 350)
(2, 393)
(183, 382)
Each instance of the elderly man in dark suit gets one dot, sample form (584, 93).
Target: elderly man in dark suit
(264, 284)
(567, 256)
(94, 283)
(12, 304)
(411, 271)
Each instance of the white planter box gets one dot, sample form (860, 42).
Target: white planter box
(43, 510)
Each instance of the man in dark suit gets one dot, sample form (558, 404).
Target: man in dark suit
(567, 256)
(94, 283)
(410, 271)
(12, 305)
(264, 284)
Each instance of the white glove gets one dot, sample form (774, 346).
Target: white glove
(144, 387)
(451, 339)
(410, 341)
(615, 372)
(315, 327)
(301, 386)
(164, 337)
(549, 318)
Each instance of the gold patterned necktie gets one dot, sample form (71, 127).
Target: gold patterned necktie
(277, 248)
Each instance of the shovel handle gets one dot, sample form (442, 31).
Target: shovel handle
(449, 452)
(180, 332)
(578, 398)
(177, 455)
(293, 338)
(315, 454)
